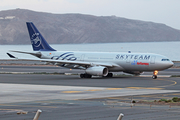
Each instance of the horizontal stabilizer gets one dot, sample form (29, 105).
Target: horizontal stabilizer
(11, 56)
(37, 54)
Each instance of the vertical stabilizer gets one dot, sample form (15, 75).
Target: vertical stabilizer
(37, 40)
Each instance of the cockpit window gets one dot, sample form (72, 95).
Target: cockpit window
(165, 60)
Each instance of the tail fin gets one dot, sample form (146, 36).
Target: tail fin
(37, 40)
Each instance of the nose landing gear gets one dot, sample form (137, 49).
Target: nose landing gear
(155, 74)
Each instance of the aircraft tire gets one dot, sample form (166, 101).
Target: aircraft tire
(82, 75)
(154, 76)
(85, 76)
(109, 75)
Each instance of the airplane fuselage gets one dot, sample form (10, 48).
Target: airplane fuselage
(121, 61)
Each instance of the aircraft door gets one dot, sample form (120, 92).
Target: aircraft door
(82, 57)
(153, 59)
(128, 60)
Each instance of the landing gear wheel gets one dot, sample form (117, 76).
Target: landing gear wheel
(109, 75)
(154, 76)
(82, 76)
(85, 76)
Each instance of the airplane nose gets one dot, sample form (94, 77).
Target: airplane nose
(170, 64)
(167, 65)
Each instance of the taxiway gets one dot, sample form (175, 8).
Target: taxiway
(59, 96)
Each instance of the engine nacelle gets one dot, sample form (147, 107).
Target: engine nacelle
(133, 72)
(97, 71)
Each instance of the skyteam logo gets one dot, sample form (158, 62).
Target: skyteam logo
(65, 56)
(36, 40)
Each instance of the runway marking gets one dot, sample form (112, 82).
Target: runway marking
(174, 82)
(176, 94)
(154, 88)
(94, 90)
(71, 91)
(148, 95)
(144, 88)
(114, 88)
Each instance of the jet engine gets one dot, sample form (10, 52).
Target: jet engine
(97, 71)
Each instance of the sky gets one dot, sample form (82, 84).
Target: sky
(159, 11)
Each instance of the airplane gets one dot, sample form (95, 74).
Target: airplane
(94, 63)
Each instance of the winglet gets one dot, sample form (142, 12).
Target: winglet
(11, 56)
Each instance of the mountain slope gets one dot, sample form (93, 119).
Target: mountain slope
(78, 28)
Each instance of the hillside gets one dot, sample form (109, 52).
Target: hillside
(79, 28)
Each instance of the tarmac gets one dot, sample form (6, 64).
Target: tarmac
(25, 89)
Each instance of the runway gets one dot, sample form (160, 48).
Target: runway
(68, 97)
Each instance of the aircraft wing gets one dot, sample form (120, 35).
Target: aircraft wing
(81, 63)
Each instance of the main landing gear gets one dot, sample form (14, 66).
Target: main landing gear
(109, 75)
(85, 76)
(155, 74)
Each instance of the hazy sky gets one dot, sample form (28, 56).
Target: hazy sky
(160, 11)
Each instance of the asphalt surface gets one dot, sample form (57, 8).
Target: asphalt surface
(68, 97)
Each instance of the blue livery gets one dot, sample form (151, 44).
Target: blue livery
(37, 40)
(65, 56)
